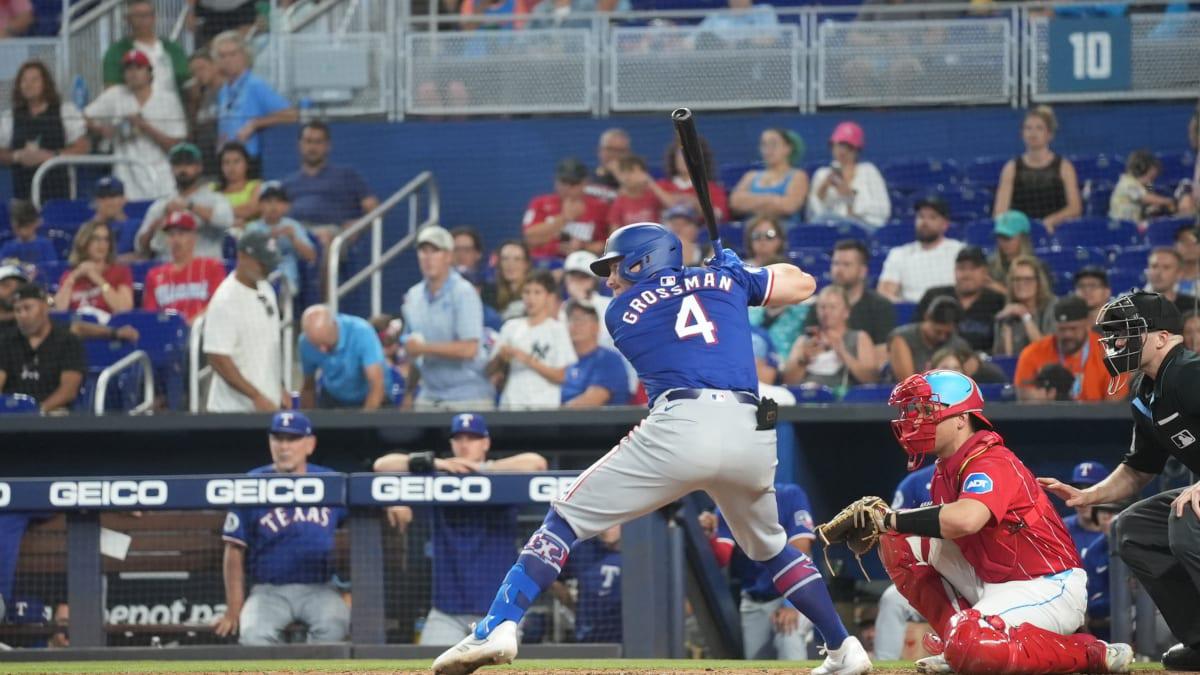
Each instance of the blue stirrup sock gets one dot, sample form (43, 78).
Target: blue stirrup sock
(797, 579)
(538, 565)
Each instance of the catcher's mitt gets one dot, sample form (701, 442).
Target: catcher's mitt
(858, 526)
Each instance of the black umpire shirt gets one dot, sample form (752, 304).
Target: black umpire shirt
(37, 372)
(1166, 414)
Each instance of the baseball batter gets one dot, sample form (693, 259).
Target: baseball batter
(990, 564)
(687, 333)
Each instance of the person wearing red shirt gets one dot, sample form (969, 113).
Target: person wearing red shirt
(990, 564)
(95, 279)
(567, 219)
(636, 202)
(187, 283)
(676, 187)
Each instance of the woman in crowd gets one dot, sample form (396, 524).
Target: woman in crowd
(1039, 183)
(777, 191)
(235, 183)
(676, 187)
(764, 245)
(512, 267)
(831, 354)
(849, 189)
(95, 280)
(1023, 320)
(1191, 331)
(968, 363)
(39, 126)
(1012, 241)
(764, 241)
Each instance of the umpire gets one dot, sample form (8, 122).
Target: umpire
(1158, 537)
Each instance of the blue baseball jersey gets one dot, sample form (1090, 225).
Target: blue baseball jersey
(1095, 563)
(597, 568)
(286, 544)
(689, 328)
(473, 549)
(795, 515)
(602, 368)
(1082, 538)
(913, 491)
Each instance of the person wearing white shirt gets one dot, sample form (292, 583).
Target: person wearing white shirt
(912, 269)
(848, 189)
(536, 348)
(212, 210)
(143, 123)
(241, 333)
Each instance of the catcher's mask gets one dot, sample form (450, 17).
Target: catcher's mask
(1124, 324)
(923, 401)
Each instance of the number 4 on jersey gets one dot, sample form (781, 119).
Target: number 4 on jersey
(691, 320)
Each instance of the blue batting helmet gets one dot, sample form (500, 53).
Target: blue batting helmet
(649, 247)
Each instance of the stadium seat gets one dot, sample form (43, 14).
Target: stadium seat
(136, 211)
(730, 174)
(1099, 193)
(49, 273)
(811, 260)
(5, 227)
(1063, 282)
(985, 171)
(1122, 280)
(1008, 364)
(1099, 232)
(997, 392)
(1101, 167)
(915, 175)
(1067, 259)
(875, 268)
(1176, 166)
(905, 312)
(813, 394)
(825, 235)
(868, 393)
(732, 235)
(1039, 236)
(62, 241)
(967, 202)
(17, 403)
(1131, 258)
(65, 214)
(1161, 231)
(892, 235)
(164, 338)
(980, 233)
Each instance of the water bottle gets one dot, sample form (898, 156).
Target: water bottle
(79, 93)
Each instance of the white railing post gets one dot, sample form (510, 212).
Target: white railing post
(137, 357)
(73, 161)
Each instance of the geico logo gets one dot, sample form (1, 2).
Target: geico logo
(431, 489)
(5, 494)
(307, 490)
(108, 493)
(549, 488)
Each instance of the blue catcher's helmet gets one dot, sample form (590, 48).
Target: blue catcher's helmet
(649, 247)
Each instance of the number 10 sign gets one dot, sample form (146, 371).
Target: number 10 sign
(1089, 54)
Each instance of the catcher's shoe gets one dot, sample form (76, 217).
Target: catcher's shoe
(934, 665)
(471, 653)
(849, 659)
(1117, 657)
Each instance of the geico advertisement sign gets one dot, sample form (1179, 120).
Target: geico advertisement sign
(458, 488)
(226, 491)
(108, 493)
(5, 495)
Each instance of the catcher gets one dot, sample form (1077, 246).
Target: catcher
(990, 564)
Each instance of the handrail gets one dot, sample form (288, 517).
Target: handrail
(131, 359)
(180, 23)
(73, 161)
(317, 12)
(77, 22)
(379, 258)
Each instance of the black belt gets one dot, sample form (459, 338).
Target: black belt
(691, 394)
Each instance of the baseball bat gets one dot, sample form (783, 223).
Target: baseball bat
(685, 127)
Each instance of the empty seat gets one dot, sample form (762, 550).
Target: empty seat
(997, 392)
(1008, 364)
(1100, 167)
(48, 274)
(915, 175)
(893, 235)
(905, 312)
(813, 394)
(17, 403)
(66, 214)
(825, 235)
(1099, 194)
(812, 260)
(980, 233)
(1161, 231)
(730, 174)
(1176, 166)
(1097, 232)
(868, 393)
(1124, 280)
(1131, 258)
(985, 171)
(1067, 259)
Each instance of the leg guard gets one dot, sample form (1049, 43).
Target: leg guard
(926, 590)
(985, 646)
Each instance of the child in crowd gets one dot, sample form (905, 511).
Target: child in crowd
(290, 236)
(1134, 198)
(536, 348)
(26, 245)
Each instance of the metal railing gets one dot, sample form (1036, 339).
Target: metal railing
(135, 358)
(411, 193)
(72, 162)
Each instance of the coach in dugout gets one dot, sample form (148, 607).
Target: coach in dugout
(288, 548)
(1158, 537)
(471, 547)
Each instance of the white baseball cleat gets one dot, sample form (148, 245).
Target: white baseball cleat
(1118, 656)
(849, 659)
(934, 665)
(471, 653)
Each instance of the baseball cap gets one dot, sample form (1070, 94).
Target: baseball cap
(109, 186)
(684, 210)
(291, 422)
(849, 133)
(1011, 224)
(184, 153)
(135, 57)
(571, 170)
(12, 272)
(180, 220)
(273, 189)
(581, 262)
(971, 254)
(1055, 376)
(1070, 308)
(1159, 313)
(29, 291)
(1086, 474)
(1090, 272)
(261, 247)
(437, 236)
(935, 202)
(468, 423)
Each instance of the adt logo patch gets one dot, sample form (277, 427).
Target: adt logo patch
(978, 484)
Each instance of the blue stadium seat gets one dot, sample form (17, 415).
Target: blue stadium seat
(1100, 167)
(915, 175)
(5, 226)
(812, 260)
(732, 235)
(164, 338)
(1131, 258)
(905, 312)
(1063, 282)
(1008, 364)
(825, 235)
(1121, 280)
(1161, 231)
(813, 394)
(868, 393)
(49, 273)
(967, 202)
(17, 403)
(730, 174)
(1100, 232)
(1067, 259)
(1099, 193)
(136, 211)
(1176, 166)
(62, 241)
(66, 214)
(980, 233)
(997, 392)
(875, 268)
(985, 171)
(1039, 236)
(892, 235)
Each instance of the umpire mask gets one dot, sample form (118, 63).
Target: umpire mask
(1123, 332)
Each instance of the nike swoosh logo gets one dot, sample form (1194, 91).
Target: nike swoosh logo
(668, 408)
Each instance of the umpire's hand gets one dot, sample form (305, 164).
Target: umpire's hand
(1191, 496)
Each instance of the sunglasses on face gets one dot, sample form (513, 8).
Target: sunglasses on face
(765, 234)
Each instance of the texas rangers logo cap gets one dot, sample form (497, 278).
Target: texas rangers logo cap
(468, 423)
(292, 423)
